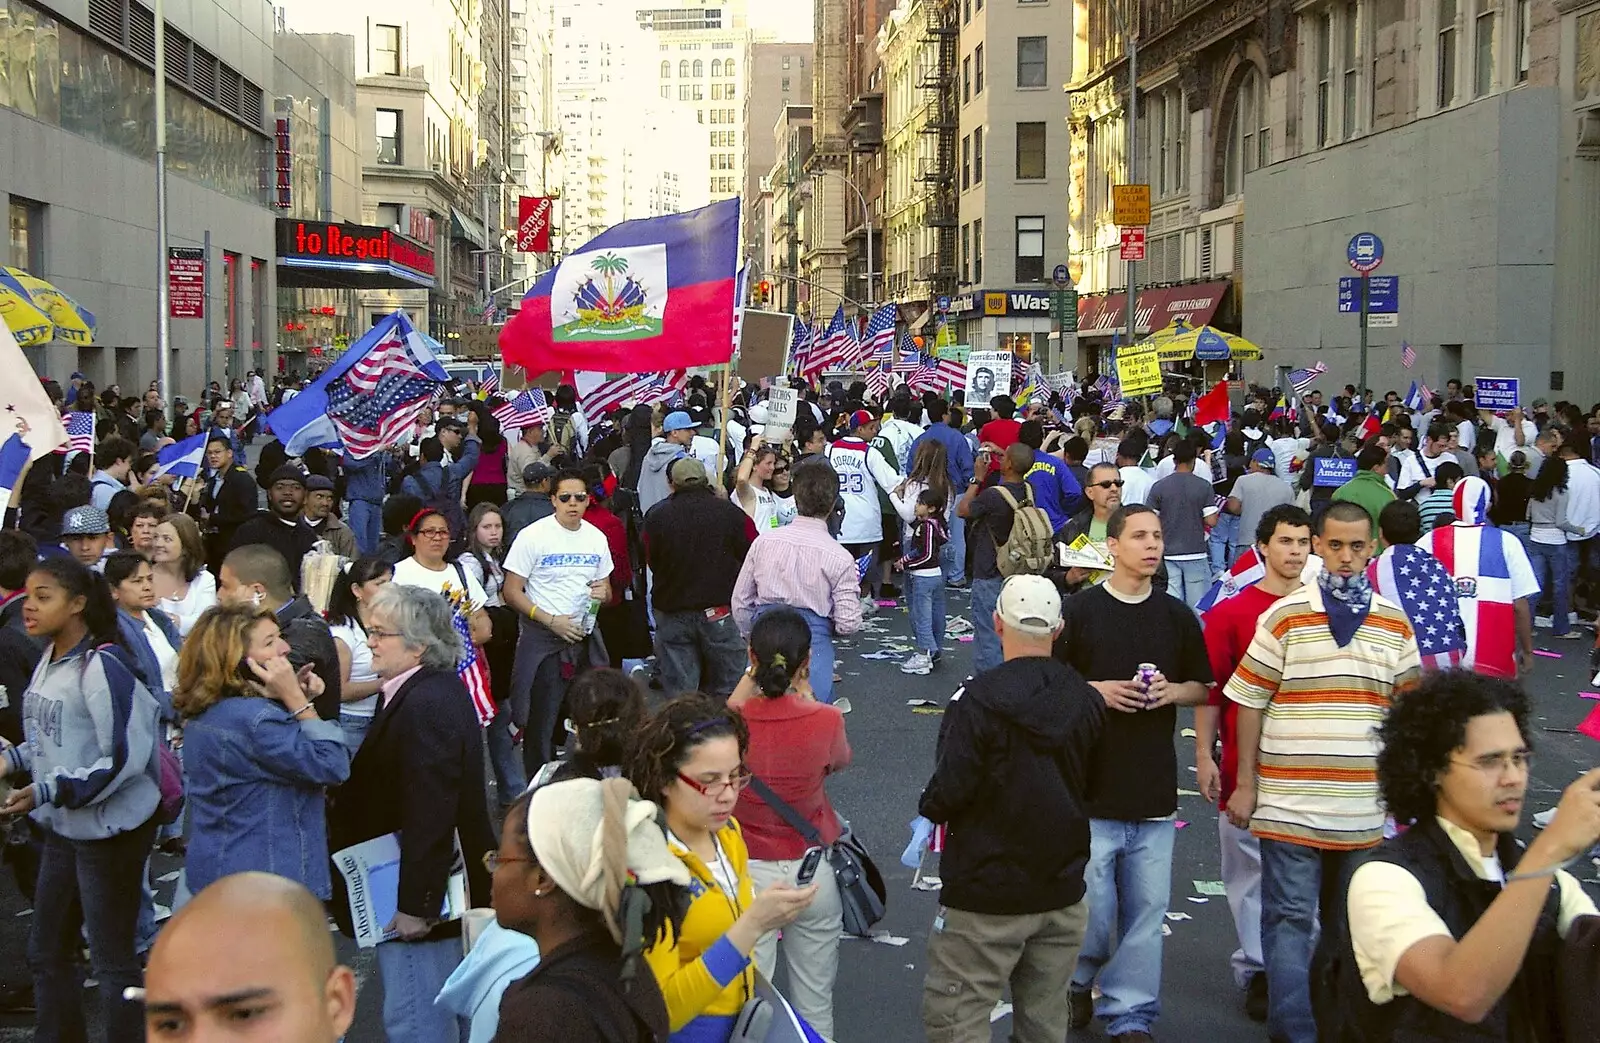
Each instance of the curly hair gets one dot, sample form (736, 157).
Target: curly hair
(606, 707)
(663, 741)
(208, 662)
(1426, 724)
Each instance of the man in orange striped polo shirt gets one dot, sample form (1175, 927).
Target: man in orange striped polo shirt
(1312, 689)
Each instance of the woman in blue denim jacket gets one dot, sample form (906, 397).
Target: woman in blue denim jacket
(257, 760)
(146, 631)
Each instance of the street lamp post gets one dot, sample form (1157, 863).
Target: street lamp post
(163, 289)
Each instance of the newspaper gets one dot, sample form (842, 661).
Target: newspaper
(1082, 553)
(371, 871)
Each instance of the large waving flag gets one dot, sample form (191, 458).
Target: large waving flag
(366, 400)
(28, 410)
(181, 459)
(651, 294)
(1247, 570)
(877, 344)
(13, 461)
(836, 349)
(1302, 379)
(1413, 579)
(1479, 558)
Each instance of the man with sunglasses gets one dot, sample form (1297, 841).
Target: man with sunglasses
(1102, 492)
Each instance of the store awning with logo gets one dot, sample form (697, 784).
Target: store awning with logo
(464, 227)
(1105, 315)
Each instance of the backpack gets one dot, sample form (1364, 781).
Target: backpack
(564, 432)
(1029, 550)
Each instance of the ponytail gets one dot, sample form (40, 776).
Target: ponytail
(99, 610)
(781, 643)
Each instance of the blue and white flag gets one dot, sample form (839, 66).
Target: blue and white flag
(13, 461)
(366, 400)
(182, 459)
(1414, 399)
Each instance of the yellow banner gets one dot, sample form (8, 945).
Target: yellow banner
(1139, 370)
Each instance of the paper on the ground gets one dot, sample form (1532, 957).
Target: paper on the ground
(1213, 888)
(371, 871)
(1001, 1010)
(927, 883)
(930, 702)
(1547, 655)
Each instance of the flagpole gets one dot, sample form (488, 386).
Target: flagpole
(727, 407)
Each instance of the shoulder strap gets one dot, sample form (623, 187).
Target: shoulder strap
(807, 831)
(1012, 500)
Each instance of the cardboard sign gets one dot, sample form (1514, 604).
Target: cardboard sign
(1330, 472)
(1139, 370)
(988, 375)
(1497, 393)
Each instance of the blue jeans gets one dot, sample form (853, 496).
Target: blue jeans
(1129, 880)
(926, 599)
(366, 524)
(986, 652)
(354, 728)
(1222, 541)
(953, 558)
(1188, 580)
(822, 657)
(510, 776)
(1301, 888)
(698, 655)
(1552, 567)
(413, 973)
(94, 886)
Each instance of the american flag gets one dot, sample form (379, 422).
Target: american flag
(937, 374)
(598, 396)
(836, 347)
(377, 400)
(1302, 379)
(878, 343)
(799, 346)
(473, 669)
(906, 362)
(1408, 354)
(80, 432)
(660, 387)
(1415, 580)
(529, 408)
(1110, 392)
(490, 382)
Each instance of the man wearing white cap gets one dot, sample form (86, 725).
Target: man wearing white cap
(1013, 865)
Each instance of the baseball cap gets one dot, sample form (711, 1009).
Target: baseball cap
(537, 472)
(287, 473)
(860, 418)
(85, 521)
(76, 376)
(677, 421)
(449, 423)
(686, 470)
(1264, 456)
(1030, 605)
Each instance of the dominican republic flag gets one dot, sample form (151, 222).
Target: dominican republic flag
(369, 399)
(181, 459)
(1414, 398)
(1302, 379)
(80, 432)
(527, 409)
(1247, 570)
(799, 347)
(1414, 579)
(651, 294)
(1488, 566)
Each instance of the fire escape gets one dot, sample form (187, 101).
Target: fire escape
(938, 168)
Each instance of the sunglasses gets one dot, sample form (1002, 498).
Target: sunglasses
(1115, 483)
(572, 497)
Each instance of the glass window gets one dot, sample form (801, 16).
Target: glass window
(699, 68)
(27, 235)
(258, 305)
(977, 155)
(727, 67)
(386, 49)
(1249, 138)
(966, 79)
(716, 66)
(1322, 41)
(230, 299)
(666, 70)
(1030, 151)
(966, 251)
(977, 71)
(388, 127)
(1446, 53)
(683, 69)
(1030, 249)
(1031, 61)
(1350, 54)
(966, 163)
(1521, 64)
(1483, 48)
(977, 251)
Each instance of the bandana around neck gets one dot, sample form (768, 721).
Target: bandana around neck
(1347, 600)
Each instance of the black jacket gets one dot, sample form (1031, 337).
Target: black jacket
(294, 541)
(523, 512)
(419, 773)
(234, 504)
(1012, 771)
(310, 641)
(19, 655)
(575, 995)
(696, 542)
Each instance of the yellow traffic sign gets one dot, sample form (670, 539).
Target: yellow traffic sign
(1130, 205)
(1139, 369)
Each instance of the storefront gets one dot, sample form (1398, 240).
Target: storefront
(1103, 318)
(1017, 321)
(321, 265)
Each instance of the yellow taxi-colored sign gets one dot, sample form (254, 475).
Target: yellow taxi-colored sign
(1139, 370)
(1130, 205)
(994, 304)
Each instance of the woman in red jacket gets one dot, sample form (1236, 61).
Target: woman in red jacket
(795, 744)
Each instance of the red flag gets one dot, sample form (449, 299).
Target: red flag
(1212, 407)
(533, 224)
(1370, 426)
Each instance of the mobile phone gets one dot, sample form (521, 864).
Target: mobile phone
(808, 866)
(245, 673)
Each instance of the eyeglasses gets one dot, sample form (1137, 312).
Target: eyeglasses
(493, 860)
(374, 632)
(572, 497)
(1497, 764)
(716, 788)
(1115, 483)
(434, 534)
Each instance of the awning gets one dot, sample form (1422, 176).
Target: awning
(1105, 315)
(464, 227)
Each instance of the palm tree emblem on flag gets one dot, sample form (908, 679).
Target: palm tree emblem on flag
(609, 295)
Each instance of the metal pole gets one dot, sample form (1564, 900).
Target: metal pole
(205, 296)
(1361, 387)
(1133, 167)
(163, 290)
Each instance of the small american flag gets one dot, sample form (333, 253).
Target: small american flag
(1408, 354)
(80, 432)
(878, 343)
(377, 400)
(651, 388)
(909, 357)
(527, 409)
(1302, 379)
(835, 349)
(472, 669)
(598, 396)
(799, 347)
(490, 382)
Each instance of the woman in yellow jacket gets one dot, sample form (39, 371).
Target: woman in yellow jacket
(689, 756)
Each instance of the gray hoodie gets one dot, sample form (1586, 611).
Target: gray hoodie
(90, 747)
(653, 487)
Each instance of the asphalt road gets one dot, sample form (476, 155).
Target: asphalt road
(880, 983)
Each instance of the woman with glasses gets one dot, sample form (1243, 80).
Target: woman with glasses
(795, 744)
(257, 759)
(419, 775)
(689, 756)
(752, 491)
(557, 577)
(428, 569)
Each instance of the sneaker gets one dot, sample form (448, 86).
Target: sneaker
(917, 663)
(1570, 635)
(842, 705)
(1255, 997)
(1542, 622)
(1081, 1006)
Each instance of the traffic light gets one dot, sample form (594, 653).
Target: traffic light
(764, 292)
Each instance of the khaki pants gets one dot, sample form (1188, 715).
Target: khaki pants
(973, 956)
(810, 944)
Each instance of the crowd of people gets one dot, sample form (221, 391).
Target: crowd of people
(589, 667)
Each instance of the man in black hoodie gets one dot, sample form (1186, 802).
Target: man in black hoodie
(1013, 765)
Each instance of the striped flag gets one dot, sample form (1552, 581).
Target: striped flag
(80, 432)
(741, 287)
(878, 343)
(490, 382)
(1415, 400)
(380, 398)
(182, 459)
(660, 387)
(1408, 354)
(1245, 571)
(472, 668)
(598, 396)
(1491, 571)
(799, 346)
(1302, 379)
(527, 409)
(836, 348)
(1414, 579)
(908, 358)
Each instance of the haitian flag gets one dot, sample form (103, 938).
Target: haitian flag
(646, 295)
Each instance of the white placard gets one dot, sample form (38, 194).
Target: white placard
(988, 375)
(782, 404)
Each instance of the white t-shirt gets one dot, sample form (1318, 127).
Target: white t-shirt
(1583, 498)
(557, 564)
(184, 611)
(1505, 436)
(447, 581)
(165, 654)
(354, 638)
(1467, 435)
(1136, 483)
(770, 510)
(708, 452)
(1283, 452)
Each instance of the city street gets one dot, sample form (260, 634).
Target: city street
(880, 982)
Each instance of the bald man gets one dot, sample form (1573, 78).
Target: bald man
(248, 960)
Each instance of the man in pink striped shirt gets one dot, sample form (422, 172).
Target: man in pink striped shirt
(801, 566)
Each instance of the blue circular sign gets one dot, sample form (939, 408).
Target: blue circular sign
(1060, 276)
(944, 303)
(1365, 252)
